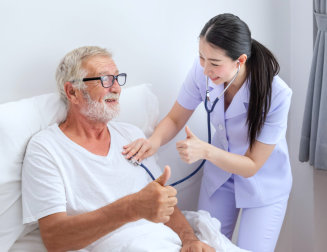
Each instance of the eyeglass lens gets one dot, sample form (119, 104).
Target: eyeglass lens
(108, 80)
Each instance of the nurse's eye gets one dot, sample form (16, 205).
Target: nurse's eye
(201, 61)
(215, 65)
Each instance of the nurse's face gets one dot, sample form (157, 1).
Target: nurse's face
(216, 64)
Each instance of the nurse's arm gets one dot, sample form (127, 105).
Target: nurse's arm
(245, 165)
(164, 132)
(171, 124)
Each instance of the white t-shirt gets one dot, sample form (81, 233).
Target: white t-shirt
(61, 176)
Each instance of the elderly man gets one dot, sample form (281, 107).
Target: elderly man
(79, 187)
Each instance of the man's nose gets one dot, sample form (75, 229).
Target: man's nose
(115, 88)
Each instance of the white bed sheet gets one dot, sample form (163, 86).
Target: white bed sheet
(142, 239)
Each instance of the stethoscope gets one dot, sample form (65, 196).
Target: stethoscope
(209, 110)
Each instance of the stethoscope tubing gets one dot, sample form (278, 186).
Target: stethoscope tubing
(203, 161)
(208, 110)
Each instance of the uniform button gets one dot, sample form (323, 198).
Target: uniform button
(220, 126)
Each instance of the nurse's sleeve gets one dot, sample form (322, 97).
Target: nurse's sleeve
(275, 125)
(189, 95)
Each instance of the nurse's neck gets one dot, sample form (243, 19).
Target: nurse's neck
(239, 80)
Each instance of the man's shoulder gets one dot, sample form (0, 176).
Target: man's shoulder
(127, 130)
(44, 135)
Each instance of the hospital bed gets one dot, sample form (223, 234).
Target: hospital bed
(20, 120)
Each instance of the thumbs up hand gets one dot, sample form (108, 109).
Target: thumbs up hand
(189, 133)
(162, 180)
(156, 202)
(192, 148)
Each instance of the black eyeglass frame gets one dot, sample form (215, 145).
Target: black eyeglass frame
(114, 77)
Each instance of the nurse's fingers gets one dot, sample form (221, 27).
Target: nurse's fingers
(182, 154)
(133, 147)
(188, 160)
(127, 148)
(182, 144)
(186, 157)
(183, 151)
(143, 153)
(132, 144)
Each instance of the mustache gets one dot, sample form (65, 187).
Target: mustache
(111, 96)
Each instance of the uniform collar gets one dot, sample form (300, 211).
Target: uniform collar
(239, 104)
(215, 90)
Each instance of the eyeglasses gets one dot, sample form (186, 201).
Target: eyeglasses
(108, 80)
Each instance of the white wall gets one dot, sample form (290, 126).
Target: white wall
(156, 42)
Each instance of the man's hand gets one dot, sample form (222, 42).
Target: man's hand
(156, 202)
(196, 246)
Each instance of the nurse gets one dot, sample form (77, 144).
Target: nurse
(247, 164)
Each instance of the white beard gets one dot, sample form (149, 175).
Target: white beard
(100, 111)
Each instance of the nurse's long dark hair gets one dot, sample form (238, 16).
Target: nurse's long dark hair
(231, 34)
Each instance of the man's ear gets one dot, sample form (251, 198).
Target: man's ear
(71, 92)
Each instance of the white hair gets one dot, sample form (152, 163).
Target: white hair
(70, 68)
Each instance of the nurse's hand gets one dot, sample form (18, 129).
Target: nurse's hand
(140, 149)
(192, 148)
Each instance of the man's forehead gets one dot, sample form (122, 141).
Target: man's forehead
(99, 64)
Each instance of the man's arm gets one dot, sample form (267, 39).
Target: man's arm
(61, 232)
(154, 202)
(180, 225)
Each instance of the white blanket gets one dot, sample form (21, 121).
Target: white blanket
(207, 229)
(143, 236)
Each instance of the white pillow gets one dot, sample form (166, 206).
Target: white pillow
(140, 107)
(20, 120)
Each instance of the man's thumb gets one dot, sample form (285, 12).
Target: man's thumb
(164, 176)
(189, 133)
